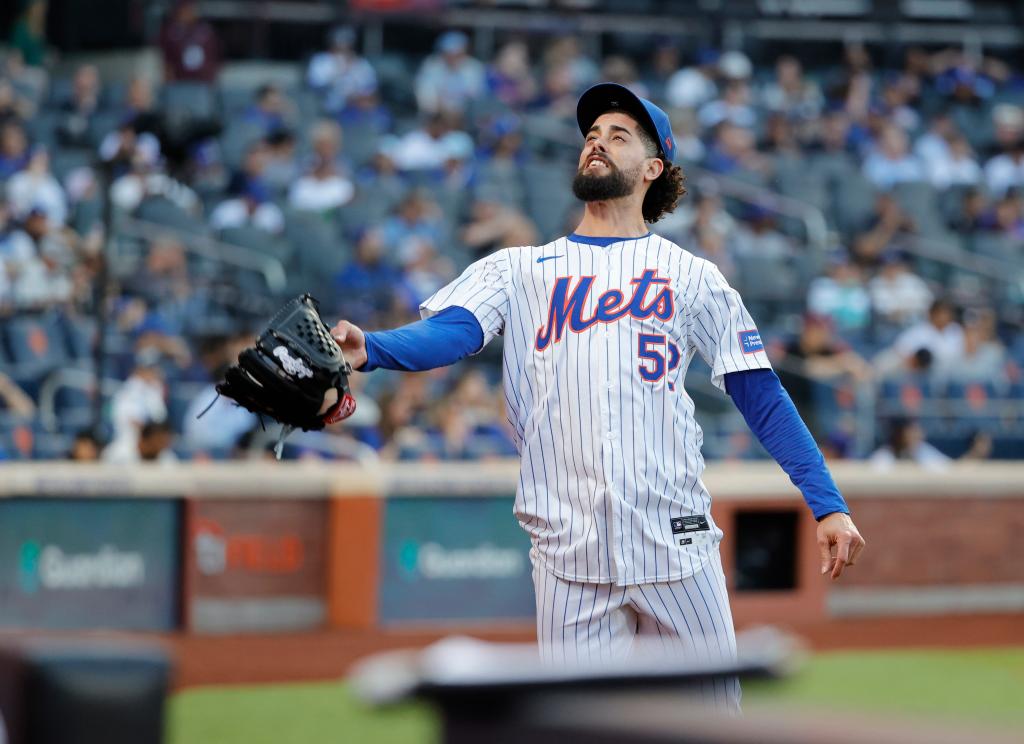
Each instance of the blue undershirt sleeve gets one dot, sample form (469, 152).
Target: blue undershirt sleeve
(442, 339)
(771, 415)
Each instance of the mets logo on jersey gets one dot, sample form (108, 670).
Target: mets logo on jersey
(568, 305)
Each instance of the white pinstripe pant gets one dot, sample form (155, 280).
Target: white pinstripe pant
(580, 623)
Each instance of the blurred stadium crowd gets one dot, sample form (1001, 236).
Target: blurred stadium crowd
(872, 218)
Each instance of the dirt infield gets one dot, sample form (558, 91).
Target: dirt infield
(243, 659)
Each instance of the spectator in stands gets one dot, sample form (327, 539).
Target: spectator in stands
(85, 447)
(663, 63)
(14, 105)
(500, 161)
(564, 53)
(906, 442)
(281, 167)
(163, 281)
(891, 163)
(934, 143)
(791, 94)
(190, 46)
(138, 100)
(450, 79)
(841, 296)
(557, 97)
(899, 297)
(493, 224)
(424, 271)
(1006, 218)
(816, 355)
(141, 399)
(28, 34)
(956, 166)
(984, 357)
(152, 446)
(896, 104)
(891, 227)
(125, 144)
(620, 69)
(381, 179)
(692, 87)
(940, 335)
(324, 187)
(364, 111)
(700, 212)
(1006, 170)
(213, 425)
(510, 78)
(35, 186)
(734, 153)
(270, 110)
(368, 281)
(43, 263)
(147, 180)
(758, 235)
(970, 217)
(250, 207)
(340, 72)
(418, 217)
(14, 152)
(75, 128)
(427, 147)
(733, 107)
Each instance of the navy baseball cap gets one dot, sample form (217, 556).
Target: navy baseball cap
(604, 97)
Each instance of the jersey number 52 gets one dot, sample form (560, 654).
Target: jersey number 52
(651, 348)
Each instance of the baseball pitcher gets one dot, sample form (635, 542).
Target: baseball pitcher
(599, 328)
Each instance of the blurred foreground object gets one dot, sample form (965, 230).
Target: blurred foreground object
(63, 692)
(503, 693)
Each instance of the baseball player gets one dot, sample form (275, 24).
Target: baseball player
(599, 328)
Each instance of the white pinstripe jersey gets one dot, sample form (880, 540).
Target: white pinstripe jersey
(597, 342)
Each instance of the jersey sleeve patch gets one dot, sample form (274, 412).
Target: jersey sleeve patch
(750, 342)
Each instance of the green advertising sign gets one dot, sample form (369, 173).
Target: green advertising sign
(89, 563)
(454, 559)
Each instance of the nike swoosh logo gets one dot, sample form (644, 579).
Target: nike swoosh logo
(542, 259)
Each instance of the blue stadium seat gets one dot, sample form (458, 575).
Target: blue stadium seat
(36, 342)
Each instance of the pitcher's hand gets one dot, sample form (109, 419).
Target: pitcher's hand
(840, 543)
(352, 341)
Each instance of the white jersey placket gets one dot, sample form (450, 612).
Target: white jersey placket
(611, 423)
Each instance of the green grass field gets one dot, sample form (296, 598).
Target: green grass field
(983, 686)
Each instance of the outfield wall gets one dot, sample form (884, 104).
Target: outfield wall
(214, 548)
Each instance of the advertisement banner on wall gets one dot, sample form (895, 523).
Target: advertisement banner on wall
(89, 563)
(454, 559)
(256, 564)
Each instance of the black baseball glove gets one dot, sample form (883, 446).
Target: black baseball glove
(291, 370)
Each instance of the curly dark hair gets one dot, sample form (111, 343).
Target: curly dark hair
(667, 189)
(664, 193)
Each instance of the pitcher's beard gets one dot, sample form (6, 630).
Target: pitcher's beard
(615, 184)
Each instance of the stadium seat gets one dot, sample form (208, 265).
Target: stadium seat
(186, 103)
(318, 251)
(258, 241)
(161, 211)
(80, 335)
(65, 160)
(36, 342)
(920, 201)
(999, 247)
